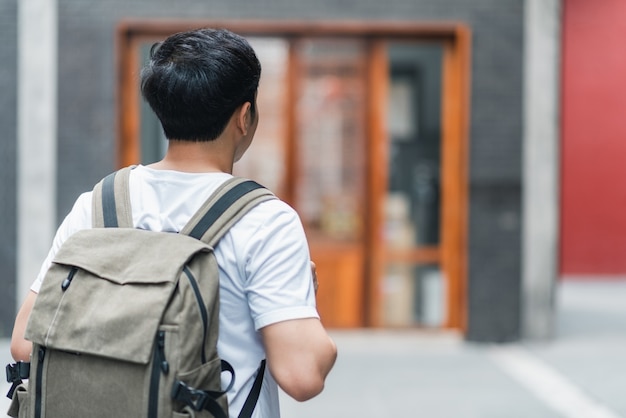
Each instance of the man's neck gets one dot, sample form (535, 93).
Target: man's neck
(196, 157)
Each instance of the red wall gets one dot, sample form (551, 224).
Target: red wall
(593, 214)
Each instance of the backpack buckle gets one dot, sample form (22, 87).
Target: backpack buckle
(194, 398)
(17, 371)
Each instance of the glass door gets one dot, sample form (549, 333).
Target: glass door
(330, 147)
(363, 130)
(413, 283)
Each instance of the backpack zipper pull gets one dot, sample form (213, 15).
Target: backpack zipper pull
(68, 281)
(161, 352)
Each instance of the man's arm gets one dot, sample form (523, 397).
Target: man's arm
(300, 355)
(21, 348)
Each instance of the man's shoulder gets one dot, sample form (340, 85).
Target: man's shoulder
(273, 211)
(271, 221)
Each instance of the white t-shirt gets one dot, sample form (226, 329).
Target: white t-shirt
(264, 266)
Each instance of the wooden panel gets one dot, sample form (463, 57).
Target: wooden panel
(128, 109)
(288, 28)
(378, 149)
(340, 276)
(455, 131)
(129, 95)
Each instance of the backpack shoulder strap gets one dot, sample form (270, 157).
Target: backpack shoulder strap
(228, 204)
(111, 201)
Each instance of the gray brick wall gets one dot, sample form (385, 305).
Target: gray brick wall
(494, 286)
(8, 155)
(87, 120)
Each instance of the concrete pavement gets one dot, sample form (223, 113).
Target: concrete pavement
(581, 373)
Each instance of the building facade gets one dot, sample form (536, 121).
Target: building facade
(425, 113)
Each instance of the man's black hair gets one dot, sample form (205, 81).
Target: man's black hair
(195, 80)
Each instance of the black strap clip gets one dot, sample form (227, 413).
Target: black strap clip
(15, 373)
(195, 398)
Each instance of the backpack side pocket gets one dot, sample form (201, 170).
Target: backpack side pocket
(19, 406)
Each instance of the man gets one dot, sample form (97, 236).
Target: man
(202, 85)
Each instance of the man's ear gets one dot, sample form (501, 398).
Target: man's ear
(244, 118)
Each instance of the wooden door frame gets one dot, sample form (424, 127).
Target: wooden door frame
(456, 41)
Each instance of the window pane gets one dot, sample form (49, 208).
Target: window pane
(414, 123)
(265, 159)
(331, 137)
(153, 142)
(413, 295)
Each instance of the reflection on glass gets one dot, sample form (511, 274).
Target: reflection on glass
(265, 159)
(413, 295)
(399, 227)
(413, 292)
(414, 151)
(153, 142)
(331, 137)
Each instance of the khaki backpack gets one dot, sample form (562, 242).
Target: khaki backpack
(126, 321)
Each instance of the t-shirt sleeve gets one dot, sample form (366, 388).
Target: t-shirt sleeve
(279, 284)
(78, 218)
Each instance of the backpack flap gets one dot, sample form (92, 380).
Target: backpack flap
(107, 290)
